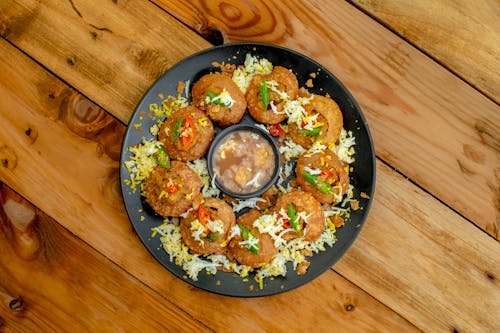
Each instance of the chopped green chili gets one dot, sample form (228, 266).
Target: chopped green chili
(247, 234)
(161, 157)
(264, 94)
(314, 132)
(292, 217)
(177, 128)
(323, 186)
(213, 97)
(212, 236)
(211, 94)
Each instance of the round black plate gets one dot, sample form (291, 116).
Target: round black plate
(363, 176)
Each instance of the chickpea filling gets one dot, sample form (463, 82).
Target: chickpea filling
(244, 162)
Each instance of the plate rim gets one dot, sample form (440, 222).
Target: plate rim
(372, 158)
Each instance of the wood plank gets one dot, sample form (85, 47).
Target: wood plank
(88, 204)
(112, 54)
(50, 281)
(426, 122)
(463, 35)
(411, 223)
(412, 103)
(444, 272)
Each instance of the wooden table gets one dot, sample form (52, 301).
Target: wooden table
(425, 73)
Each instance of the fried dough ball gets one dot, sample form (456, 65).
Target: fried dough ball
(171, 192)
(241, 253)
(229, 105)
(304, 204)
(284, 81)
(329, 176)
(205, 230)
(187, 134)
(329, 116)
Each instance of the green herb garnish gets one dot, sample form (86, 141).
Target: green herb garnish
(212, 236)
(161, 157)
(314, 132)
(177, 129)
(247, 234)
(214, 98)
(323, 186)
(292, 217)
(264, 94)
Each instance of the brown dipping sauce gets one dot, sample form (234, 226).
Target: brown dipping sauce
(243, 162)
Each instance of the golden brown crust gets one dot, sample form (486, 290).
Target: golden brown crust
(287, 82)
(323, 160)
(303, 201)
(267, 250)
(303, 140)
(222, 115)
(219, 210)
(329, 114)
(203, 136)
(172, 204)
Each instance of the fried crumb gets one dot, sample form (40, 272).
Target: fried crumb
(364, 195)
(338, 221)
(226, 69)
(217, 283)
(160, 95)
(313, 75)
(180, 87)
(309, 83)
(250, 287)
(354, 204)
(302, 267)
(306, 252)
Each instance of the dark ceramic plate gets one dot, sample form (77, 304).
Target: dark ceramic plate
(363, 176)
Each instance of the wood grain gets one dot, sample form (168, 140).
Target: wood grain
(463, 35)
(64, 283)
(426, 122)
(37, 166)
(437, 263)
(89, 205)
(442, 256)
(412, 103)
(112, 54)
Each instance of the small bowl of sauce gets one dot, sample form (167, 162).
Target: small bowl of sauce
(244, 160)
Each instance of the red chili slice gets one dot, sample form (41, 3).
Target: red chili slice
(203, 215)
(187, 131)
(171, 186)
(327, 173)
(276, 130)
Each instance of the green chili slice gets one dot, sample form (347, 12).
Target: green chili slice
(212, 236)
(264, 94)
(254, 248)
(212, 96)
(247, 234)
(292, 217)
(177, 128)
(314, 132)
(161, 157)
(311, 179)
(323, 186)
